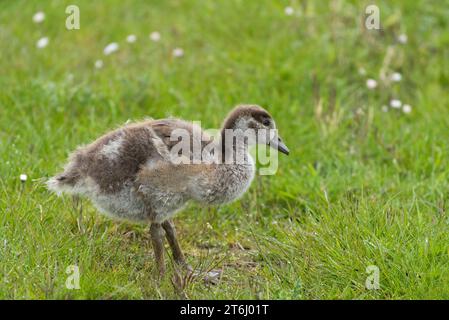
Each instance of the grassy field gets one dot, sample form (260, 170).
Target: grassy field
(365, 184)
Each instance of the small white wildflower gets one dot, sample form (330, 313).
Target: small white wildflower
(209, 226)
(42, 42)
(131, 38)
(362, 71)
(396, 77)
(406, 108)
(289, 11)
(38, 17)
(384, 109)
(111, 48)
(402, 38)
(371, 83)
(395, 103)
(23, 177)
(178, 52)
(99, 64)
(155, 36)
(352, 150)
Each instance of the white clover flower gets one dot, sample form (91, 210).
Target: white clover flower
(289, 11)
(371, 84)
(406, 108)
(396, 77)
(23, 177)
(98, 64)
(384, 108)
(155, 36)
(38, 17)
(111, 48)
(178, 52)
(402, 38)
(42, 42)
(395, 103)
(131, 38)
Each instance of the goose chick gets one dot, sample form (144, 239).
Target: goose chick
(144, 172)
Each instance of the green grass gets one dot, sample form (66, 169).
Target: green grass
(361, 187)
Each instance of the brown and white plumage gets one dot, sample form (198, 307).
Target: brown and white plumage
(128, 173)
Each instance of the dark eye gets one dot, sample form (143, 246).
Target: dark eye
(266, 122)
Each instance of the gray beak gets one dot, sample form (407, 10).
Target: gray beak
(279, 145)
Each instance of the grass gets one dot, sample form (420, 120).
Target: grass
(361, 186)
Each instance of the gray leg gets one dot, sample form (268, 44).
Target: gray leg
(170, 233)
(157, 238)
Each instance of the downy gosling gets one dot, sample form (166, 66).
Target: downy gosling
(132, 173)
